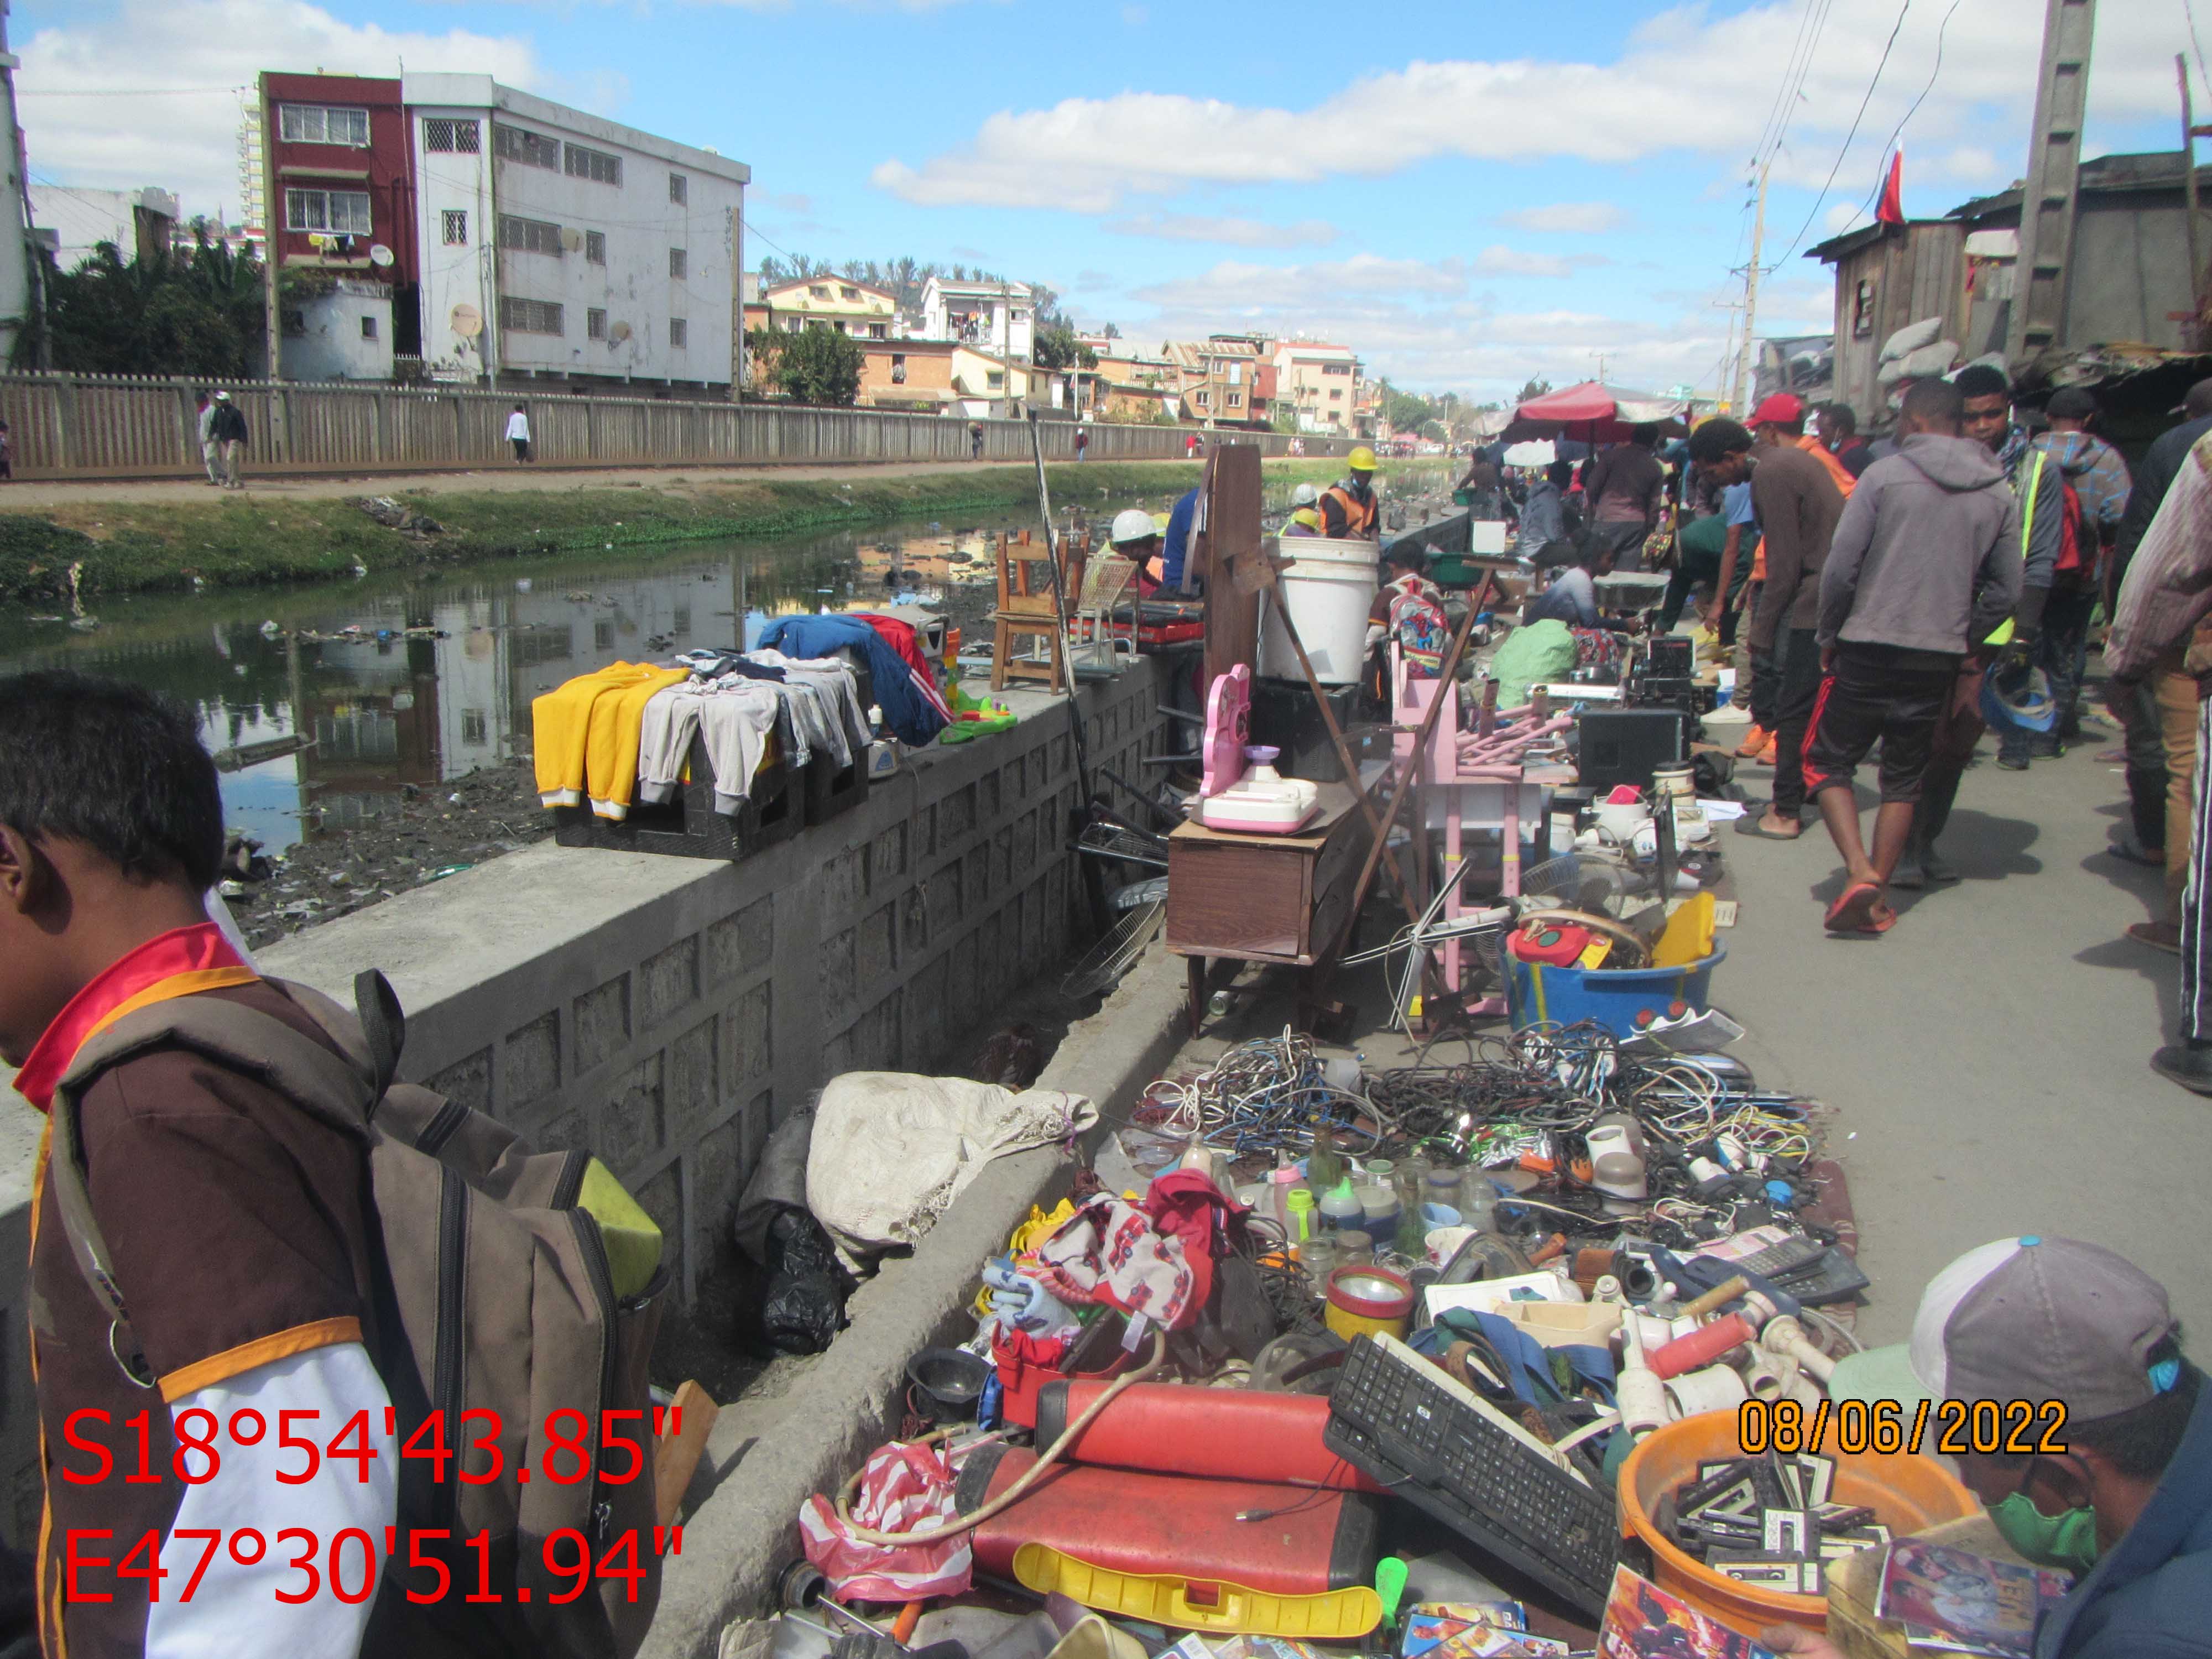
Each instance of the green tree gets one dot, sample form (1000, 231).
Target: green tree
(1058, 347)
(1404, 410)
(1536, 387)
(197, 311)
(814, 366)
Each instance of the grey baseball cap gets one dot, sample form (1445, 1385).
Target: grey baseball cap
(2027, 1318)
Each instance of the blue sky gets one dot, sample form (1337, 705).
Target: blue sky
(1467, 193)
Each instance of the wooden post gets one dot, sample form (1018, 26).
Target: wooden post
(2189, 196)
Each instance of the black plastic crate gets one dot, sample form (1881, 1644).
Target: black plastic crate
(831, 789)
(687, 825)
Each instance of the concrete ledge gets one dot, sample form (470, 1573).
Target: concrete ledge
(846, 1402)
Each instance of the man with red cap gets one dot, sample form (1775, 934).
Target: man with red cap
(1780, 419)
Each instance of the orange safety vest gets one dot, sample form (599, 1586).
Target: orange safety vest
(1358, 515)
(1837, 470)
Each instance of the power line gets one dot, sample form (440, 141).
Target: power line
(1937, 70)
(1782, 90)
(1846, 149)
(2190, 12)
(1804, 69)
(127, 92)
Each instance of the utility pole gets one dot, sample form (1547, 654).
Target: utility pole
(2047, 192)
(272, 221)
(1006, 354)
(1599, 356)
(2190, 134)
(1745, 368)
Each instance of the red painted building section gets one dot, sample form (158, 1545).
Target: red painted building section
(341, 167)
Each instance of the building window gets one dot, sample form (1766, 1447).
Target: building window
(1863, 309)
(529, 316)
(679, 332)
(454, 221)
(452, 137)
(595, 324)
(1237, 400)
(368, 328)
(474, 728)
(848, 293)
(679, 189)
(595, 247)
(1204, 400)
(676, 262)
(514, 144)
(339, 212)
(879, 331)
(529, 235)
(1336, 394)
(995, 379)
(1336, 368)
(593, 164)
(898, 368)
(314, 123)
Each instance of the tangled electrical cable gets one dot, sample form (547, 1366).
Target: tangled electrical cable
(1265, 1095)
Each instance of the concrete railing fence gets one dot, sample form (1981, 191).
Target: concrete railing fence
(85, 426)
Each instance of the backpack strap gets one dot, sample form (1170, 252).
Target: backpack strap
(332, 1088)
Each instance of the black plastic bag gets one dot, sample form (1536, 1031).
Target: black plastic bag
(804, 1306)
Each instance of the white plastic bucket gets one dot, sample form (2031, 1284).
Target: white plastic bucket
(1328, 586)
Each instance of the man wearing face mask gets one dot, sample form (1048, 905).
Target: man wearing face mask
(2127, 1508)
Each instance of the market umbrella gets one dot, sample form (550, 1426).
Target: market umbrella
(1595, 413)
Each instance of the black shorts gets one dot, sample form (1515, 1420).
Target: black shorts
(1877, 692)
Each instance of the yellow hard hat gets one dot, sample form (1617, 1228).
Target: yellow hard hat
(1307, 517)
(1363, 459)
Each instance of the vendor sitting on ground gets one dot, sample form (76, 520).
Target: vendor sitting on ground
(1136, 537)
(1410, 609)
(2127, 1507)
(1573, 597)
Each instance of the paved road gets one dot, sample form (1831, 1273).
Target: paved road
(1989, 1054)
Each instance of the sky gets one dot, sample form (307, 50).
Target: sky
(1468, 194)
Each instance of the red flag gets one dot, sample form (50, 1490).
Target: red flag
(1891, 208)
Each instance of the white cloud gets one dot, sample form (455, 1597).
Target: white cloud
(1090, 154)
(1498, 260)
(1569, 218)
(1235, 233)
(95, 134)
(1842, 216)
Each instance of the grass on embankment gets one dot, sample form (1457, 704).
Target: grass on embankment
(233, 541)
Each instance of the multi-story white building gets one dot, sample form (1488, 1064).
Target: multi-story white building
(559, 246)
(140, 222)
(1321, 382)
(998, 317)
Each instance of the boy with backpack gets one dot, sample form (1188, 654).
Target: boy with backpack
(2094, 482)
(251, 1327)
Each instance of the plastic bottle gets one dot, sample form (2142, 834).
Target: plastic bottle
(1299, 1222)
(1379, 1210)
(1325, 1163)
(1478, 1199)
(1440, 1184)
(1340, 1209)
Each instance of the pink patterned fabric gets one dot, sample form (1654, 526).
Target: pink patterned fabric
(904, 1488)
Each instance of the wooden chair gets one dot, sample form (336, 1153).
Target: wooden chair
(1026, 614)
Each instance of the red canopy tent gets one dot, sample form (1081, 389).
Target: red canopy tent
(1595, 413)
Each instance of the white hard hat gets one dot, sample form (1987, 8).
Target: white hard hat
(1133, 523)
(1304, 495)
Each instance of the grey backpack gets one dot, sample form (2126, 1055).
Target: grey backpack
(526, 1291)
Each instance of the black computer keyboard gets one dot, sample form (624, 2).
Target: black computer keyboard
(1400, 1420)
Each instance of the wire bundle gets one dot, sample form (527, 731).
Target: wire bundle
(1267, 1094)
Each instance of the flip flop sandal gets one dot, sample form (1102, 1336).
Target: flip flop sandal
(1748, 826)
(1854, 911)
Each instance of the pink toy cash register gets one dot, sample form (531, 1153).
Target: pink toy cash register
(1240, 792)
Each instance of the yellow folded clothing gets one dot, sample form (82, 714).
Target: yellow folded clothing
(577, 734)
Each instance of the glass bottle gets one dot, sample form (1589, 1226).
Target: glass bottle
(1478, 1199)
(1325, 1163)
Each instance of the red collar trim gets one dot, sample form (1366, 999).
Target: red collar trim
(198, 958)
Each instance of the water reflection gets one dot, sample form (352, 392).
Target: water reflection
(325, 704)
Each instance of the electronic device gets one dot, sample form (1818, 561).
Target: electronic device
(1670, 655)
(1626, 746)
(1439, 1445)
(1814, 1273)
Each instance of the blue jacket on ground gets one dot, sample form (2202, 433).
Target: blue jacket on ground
(2151, 1598)
(913, 720)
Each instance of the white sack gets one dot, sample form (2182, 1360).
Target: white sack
(1911, 337)
(892, 1149)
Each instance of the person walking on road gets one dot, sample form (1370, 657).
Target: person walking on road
(518, 433)
(206, 430)
(2160, 731)
(1797, 505)
(2093, 482)
(1082, 441)
(1624, 485)
(2160, 622)
(228, 429)
(1925, 560)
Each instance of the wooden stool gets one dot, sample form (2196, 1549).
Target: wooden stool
(1027, 613)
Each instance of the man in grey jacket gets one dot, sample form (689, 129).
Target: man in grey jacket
(1925, 560)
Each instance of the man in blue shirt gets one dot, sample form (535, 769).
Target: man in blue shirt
(1174, 551)
(2127, 1505)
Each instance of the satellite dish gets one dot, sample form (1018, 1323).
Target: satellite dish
(379, 254)
(571, 238)
(619, 333)
(467, 320)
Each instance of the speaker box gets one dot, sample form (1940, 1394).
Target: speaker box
(1670, 655)
(1626, 746)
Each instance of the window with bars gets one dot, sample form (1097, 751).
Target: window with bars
(595, 324)
(338, 212)
(514, 144)
(679, 189)
(319, 124)
(452, 137)
(520, 316)
(595, 247)
(679, 332)
(677, 261)
(453, 222)
(593, 164)
(529, 235)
